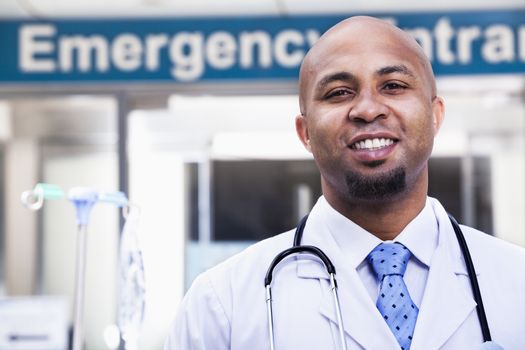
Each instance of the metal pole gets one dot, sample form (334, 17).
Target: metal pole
(204, 200)
(467, 184)
(303, 199)
(80, 279)
(123, 110)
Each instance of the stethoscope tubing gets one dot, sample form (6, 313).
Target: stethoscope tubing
(330, 268)
(298, 248)
(476, 292)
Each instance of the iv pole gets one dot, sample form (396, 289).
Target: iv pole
(84, 199)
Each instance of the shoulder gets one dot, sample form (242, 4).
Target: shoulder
(490, 246)
(251, 263)
(495, 257)
(482, 246)
(204, 318)
(501, 279)
(244, 271)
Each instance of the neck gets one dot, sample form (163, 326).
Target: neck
(385, 219)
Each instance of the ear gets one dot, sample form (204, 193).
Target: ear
(302, 131)
(438, 113)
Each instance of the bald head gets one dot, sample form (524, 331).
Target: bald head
(354, 35)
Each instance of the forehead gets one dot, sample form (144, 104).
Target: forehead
(362, 46)
(362, 57)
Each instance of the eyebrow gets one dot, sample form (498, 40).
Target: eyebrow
(395, 69)
(339, 76)
(349, 77)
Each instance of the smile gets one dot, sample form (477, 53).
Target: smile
(372, 144)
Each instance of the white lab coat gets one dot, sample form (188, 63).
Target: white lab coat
(225, 308)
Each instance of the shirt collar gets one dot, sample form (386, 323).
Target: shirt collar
(354, 242)
(420, 236)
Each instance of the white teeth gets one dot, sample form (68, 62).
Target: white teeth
(372, 143)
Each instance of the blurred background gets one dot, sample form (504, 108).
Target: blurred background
(188, 108)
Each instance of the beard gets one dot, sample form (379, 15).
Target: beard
(382, 187)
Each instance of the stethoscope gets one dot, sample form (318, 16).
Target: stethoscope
(298, 248)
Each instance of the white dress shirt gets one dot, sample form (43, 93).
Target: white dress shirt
(420, 236)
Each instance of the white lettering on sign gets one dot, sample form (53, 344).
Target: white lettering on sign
(499, 46)
(221, 50)
(82, 48)
(154, 43)
(251, 41)
(495, 43)
(127, 52)
(33, 41)
(465, 38)
(287, 48)
(312, 36)
(186, 55)
(444, 34)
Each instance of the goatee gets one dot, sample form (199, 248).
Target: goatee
(384, 186)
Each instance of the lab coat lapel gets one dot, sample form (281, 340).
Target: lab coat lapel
(361, 319)
(446, 304)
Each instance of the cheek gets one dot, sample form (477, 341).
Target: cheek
(420, 129)
(320, 140)
(326, 126)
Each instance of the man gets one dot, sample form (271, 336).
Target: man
(369, 115)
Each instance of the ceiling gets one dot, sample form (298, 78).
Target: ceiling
(185, 8)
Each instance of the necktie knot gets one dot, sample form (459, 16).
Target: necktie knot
(389, 259)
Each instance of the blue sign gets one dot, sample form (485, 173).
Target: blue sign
(237, 49)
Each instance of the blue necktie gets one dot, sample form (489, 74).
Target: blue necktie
(389, 261)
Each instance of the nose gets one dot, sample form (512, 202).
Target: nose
(367, 106)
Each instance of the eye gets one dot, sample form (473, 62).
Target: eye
(394, 86)
(338, 93)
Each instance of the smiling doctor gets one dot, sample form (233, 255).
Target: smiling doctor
(369, 115)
